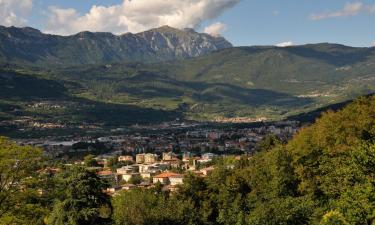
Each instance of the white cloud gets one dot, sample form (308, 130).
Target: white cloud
(215, 29)
(285, 44)
(371, 9)
(373, 44)
(350, 9)
(14, 12)
(136, 15)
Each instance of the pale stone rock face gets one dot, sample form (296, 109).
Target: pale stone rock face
(161, 44)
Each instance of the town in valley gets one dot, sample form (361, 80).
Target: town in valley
(160, 154)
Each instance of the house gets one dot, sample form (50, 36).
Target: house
(208, 157)
(125, 158)
(127, 172)
(176, 180)
(174, 162)
(147, 175)
(146, 158)
(128, 169)
(168, 156)
(140, 158)
(108, 176)
(149, 168)
(168, 178)
(151, 158)
(207, 171)
(124, 170)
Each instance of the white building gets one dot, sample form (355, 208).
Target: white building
(168, 178)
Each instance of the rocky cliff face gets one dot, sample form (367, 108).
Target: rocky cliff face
(182, 43)
(28, 45)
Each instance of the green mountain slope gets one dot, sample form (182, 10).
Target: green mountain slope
(254, 82)
(234, 84)
(30, 46)
(31, 99)
(298, 70)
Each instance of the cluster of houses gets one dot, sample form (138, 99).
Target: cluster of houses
(146, 159)
(147, 170)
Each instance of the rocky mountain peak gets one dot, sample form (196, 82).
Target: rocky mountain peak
(28, 45)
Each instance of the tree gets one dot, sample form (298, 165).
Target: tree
(83, 201)
(333, 218)
(135, 179)
(288, 211)
(267, 143)
(357, 203)
(113, 163)
(19, 183)
(139, 207)
(90, 161)
(334, 161)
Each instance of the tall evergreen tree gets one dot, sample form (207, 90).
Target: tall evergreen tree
(83, 201)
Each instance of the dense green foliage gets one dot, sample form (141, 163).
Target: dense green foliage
(147, 207)
(82, 200)
(325, 175)
(30, 194)
(20, 201)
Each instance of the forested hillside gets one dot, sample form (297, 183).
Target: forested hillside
(253, 82)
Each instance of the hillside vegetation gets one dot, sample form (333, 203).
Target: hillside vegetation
(325, 175)
(207, 79)
(29, 96)
(254, 82)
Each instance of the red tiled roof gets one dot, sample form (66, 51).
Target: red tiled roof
(168, 174)
(105, 172)
(171, 160)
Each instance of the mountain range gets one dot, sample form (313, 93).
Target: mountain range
(30, 46)
(167, 73)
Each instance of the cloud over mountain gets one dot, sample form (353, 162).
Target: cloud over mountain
(215, 29)
(13, 12)
(285, 44)
(136, 15)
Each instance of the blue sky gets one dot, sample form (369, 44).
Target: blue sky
(262, 22)
(246, 22)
